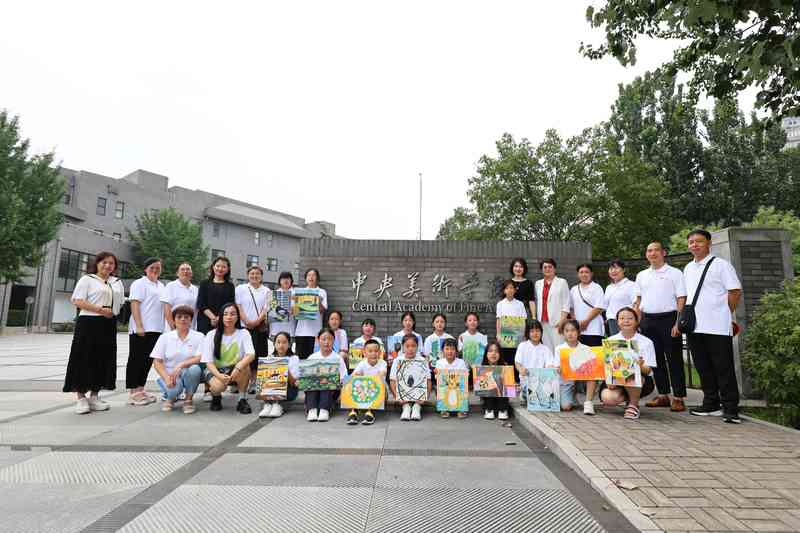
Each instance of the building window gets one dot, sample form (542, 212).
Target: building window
(272, 264)
(217, 253)
(269, 239)
(101, 206)
(256, 238)
(117, 236)
(215, 229)
(69, 192)
(71, 266)
(119, 210)
(252, 260)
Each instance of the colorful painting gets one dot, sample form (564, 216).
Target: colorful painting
(280, 305)
(621, 363)
(436, 352)
(472, 352)
(306, 304)
(544, 387)
(451, 390)
(394, 347)
(355, 355)
(583, 363)
(272, 377)
(318, 375)
(363, 392)
(412, 379)
(512, 331)
(494, 381)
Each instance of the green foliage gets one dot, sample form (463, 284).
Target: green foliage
(31, 190)
(772, 346)
(725, 46)
(463, 225)
(167, 234)
(769, 217)
(678, 241)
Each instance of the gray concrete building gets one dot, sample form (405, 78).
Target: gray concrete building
(99, 209)
(791, 125)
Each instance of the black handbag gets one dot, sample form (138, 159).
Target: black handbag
(687, 320)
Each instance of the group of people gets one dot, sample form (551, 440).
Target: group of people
(214, 334)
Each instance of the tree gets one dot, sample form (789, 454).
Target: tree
(726, 46)
(31, 190)
(463, 225)
(167, 234)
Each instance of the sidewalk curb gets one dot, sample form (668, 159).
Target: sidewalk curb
(769, 424)
(576, 460)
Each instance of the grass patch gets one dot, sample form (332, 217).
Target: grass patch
(785, 416)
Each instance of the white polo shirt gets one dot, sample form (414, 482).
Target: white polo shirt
(457, 364)
(660, 289)
(618, 295)
(173, 350)
(535, 356)
(593, 294)
(245, 295)
(148, 294)
(512, 308)
(366, 369)
(712, 311)
(176, 293)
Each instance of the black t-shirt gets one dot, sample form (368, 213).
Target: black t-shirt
(212, 296)
(525, 293)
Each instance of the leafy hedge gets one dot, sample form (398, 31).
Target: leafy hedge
(772, 346)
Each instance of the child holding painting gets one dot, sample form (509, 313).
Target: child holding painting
(612, 395)
(450, 362)
(494, 404)
(533, 354)
(412, 409)
(372, 365)
(340, 344)
(509, 306)
(368, 328)
(432, 349)
(273, 407)
(471, 321)
(319, 402)
(571, 332)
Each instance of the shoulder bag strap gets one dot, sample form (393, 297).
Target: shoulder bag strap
(580, 292)
(255, 305)
(702, 279)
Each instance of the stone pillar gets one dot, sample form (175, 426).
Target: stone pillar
(762, 258)
(5, 301)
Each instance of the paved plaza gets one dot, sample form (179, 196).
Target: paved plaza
(138, 469)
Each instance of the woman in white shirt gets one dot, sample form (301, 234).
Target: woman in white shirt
(92, 362)
(613, 395)
(588, 302)
(180, 292)
(252, 300)
(621, 292)
(175, 358)
(552, 303)
(306, 330)
(145, 326)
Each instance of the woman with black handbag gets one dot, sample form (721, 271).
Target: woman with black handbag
(252, 299)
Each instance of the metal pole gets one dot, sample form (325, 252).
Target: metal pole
(420, 206)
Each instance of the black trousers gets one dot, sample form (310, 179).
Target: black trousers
(591, 340)
(495, 404)
(669, 352)
(261, 346)
(139, 361)
(303, 346)
(713, 358)
(507, 356)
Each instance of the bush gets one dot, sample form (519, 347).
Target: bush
(772, 346)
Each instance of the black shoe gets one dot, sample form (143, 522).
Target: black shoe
(216, 403)
(731, 419)
(369, 419)
(705, 411)
(243, 407)
(352, 419)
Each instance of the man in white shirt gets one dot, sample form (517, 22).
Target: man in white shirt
(711, 342)
(662, 294)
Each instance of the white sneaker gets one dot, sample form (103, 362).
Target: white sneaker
(96, 404)
(488, 415)
(83, 407)
(207, 397)
(277, 410)
(406, 414)
(502, 415)
(588, 408)
(266, 411)
(324, 416)
(312, 415)
(416, 412)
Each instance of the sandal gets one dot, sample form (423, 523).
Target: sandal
(631, 413)
(139, 399)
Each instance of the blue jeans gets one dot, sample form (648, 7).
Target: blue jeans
(567, 393)
(188, 380)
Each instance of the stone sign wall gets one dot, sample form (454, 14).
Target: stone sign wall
(381, 279)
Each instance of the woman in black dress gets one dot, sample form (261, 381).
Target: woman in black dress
(213, 293)
(525, 292)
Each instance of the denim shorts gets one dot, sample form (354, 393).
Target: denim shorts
(567, 392)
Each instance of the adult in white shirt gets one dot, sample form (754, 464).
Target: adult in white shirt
(621, 292)
(252, 300)
(180, 292)
(711, 342)
(175, 358)
(145, 326)
(552, 296)
(587, 302)
(662, 294)
(92, 362)
(306, 330)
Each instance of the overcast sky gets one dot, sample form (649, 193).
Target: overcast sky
(325, 110)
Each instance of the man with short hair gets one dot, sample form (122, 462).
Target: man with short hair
(711, 342)
(662, 294)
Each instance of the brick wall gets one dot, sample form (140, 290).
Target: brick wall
(461, 262)
(761, 270)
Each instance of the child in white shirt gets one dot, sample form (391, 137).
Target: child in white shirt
(410, 412)
(371, 365)
(571, 332)
(533, 354)
(273, 407)
(450, 362)
(320, 402)
(433, 343)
